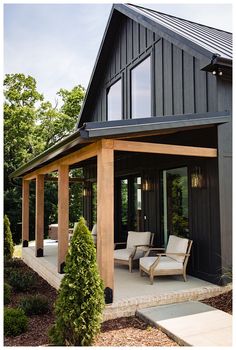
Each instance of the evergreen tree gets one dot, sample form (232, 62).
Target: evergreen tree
(80, 302)
(8, 242)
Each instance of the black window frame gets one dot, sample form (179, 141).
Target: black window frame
(142, 58)
(113, 82)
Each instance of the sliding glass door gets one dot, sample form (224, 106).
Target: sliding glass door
(128, 206)
(175, 203)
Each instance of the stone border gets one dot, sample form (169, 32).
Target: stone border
(128, 307)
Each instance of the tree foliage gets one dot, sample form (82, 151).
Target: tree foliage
(8, 242)
(80, 301)
(31, 125)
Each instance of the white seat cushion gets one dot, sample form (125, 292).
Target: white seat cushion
(165, 263)
(177, 245)
(124, 254)
(138, 238)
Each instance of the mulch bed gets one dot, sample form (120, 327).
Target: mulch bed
(125, 331)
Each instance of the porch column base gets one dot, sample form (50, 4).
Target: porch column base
(25, 243)
(61, 268)
(39, 253)
(108, 294)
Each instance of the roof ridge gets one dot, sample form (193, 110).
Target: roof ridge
(182, 19)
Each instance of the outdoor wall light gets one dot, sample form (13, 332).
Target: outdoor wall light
(197, 178)
(147, 185)
(85, 191)
(217, 71)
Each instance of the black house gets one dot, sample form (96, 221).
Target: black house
(154, 140)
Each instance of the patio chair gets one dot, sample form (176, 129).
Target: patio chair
(137, 244)
(172, 262)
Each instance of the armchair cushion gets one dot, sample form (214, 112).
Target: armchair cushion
(138, 238)
(165, 263)
(177, 245)
(124, 254)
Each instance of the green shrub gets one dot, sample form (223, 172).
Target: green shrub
(21, 281)
(15, 322)
(7, 293)
(34, 305)
(15, 262)
(80, 302)
(8, 242)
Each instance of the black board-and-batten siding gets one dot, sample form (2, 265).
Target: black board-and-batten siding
(178, 84)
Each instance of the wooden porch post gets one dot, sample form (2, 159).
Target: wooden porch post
(63, 215)
(39, 213)
(25, 213)
(105, 216)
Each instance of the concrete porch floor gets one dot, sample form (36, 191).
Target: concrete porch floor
(131, 291)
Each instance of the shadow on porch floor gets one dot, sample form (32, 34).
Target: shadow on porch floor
(131, 291)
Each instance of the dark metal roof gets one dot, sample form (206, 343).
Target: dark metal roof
(93, 131)
(212, 39)
(60, 149)
(152, 124)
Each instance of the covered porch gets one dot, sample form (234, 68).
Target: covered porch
(136, 139)
(130, 291)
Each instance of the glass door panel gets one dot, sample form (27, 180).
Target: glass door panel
(175, 203)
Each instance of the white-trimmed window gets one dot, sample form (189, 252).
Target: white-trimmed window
(114, 101)
(141, 89)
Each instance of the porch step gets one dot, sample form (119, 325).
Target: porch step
(191, 323)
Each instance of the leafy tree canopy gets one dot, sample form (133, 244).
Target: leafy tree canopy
(31, 125)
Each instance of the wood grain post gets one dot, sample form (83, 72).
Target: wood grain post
(105, 217)
(63, 215)
(39, 215)
(25, 213)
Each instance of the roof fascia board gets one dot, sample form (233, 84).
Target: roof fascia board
(50, 154)
(160, 124)
(95, 65)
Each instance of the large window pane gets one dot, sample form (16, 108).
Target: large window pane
(175, 203)
(114, 102)
(141, 90)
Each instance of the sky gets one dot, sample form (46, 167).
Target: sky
(57, 44)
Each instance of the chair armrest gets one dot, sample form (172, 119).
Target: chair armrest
(119, 243)
(153, 249)
(178, 254)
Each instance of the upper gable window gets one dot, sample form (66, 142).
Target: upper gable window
(114, 101)
(141, 89)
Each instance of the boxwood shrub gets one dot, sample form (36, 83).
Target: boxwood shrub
(34, 305)
(22, 281)
(15, 322)
(7, 293)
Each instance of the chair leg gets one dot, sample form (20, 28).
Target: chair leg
(141, 272)
(130, 265)
(151, 278)
(184, 276)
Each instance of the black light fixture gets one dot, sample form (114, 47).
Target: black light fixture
(147, 185)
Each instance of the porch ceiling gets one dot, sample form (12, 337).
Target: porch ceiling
(95, 131)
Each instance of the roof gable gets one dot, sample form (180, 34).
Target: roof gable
(198, 40)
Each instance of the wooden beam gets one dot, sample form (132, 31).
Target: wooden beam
(39, 216)
(71, 179)
(157, 148)
(25, 213)
(105, 217)
(63, 215)
(73, 158)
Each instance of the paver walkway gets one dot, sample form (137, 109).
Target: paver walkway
(191, 323)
